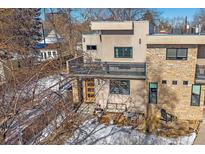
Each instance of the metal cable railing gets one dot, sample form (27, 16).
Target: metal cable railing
(77, 66)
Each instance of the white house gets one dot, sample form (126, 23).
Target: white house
(48, 47)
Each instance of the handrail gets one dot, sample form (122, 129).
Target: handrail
(78, 66)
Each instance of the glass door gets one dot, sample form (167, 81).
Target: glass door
(90, 90)
(153, 93)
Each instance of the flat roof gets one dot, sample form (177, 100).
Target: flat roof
(175, 39)
(125, 25)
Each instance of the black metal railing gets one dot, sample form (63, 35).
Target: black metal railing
(80, 67)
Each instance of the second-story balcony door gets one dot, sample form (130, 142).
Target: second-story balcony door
(90, 90)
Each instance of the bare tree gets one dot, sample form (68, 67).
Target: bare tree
(27, 105)
(199, 19)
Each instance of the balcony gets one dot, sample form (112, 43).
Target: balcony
(79, 68)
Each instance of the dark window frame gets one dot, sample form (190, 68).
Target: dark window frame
(90, 47)
(156, 92)
(164, 82)
(185, 82)
(174, 83)
(140, 41)
(120, 93)
(49, 54)
(131, 53)
(45, 55)
(199, 95)
(41, 55)
(176, 57)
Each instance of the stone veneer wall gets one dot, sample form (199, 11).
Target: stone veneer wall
(174, 98)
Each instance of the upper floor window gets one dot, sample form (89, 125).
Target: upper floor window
(201, 51)
(120, 87)
(91, 47)
(123, 52)
(176, 54)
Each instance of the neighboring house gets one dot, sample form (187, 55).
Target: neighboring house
(126, 66)
(49, 46)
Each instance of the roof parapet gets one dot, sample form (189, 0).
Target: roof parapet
(114, 25)
(176, 39)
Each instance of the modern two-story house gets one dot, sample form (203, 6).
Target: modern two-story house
(127, 67)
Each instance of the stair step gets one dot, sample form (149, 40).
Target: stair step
(87, 108)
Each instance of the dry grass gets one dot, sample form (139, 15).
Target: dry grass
(155, 125)
(177, 128)
(120, 120)
(158, 127)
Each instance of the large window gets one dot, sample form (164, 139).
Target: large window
(120, 87)
(54, 53)
(195, 96)
(123, 52)
(201, 51)
(153, 93)
(176, 54)
(91, 47)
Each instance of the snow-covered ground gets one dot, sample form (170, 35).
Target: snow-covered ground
(28, 116)
(92, 132)
(49, 129)
(43, 84)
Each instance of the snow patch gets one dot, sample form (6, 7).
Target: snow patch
(92, 132)
(49, 129)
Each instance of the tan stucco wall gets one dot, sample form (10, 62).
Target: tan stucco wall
(175, 98)
(105, 48)
(93, 39)
(135, 101)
